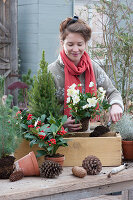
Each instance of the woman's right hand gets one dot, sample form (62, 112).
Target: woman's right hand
(70, 124)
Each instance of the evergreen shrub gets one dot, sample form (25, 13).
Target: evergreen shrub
(42, 96)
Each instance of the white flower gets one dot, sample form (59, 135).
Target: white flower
(101, 97)
(85, 106)
(68, 99)
(101, 90)
(92, 101)
(76, 99)
(72, 92)
(73, 86)
(91, 84)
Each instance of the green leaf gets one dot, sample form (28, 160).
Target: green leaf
(33, 142)
(24, 126)
(44, 127)
(43, 118)
(41, 153)
(54, 128)
(64, 119)
(50, 148)
(29, 136)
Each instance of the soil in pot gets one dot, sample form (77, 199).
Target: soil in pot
(6, 166)
(59, 158)
(84, 123)
(99, 130)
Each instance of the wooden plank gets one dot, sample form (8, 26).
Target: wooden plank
(5, 40)
(4, 66)
(4, 29)
(66, 186)
(125, 195)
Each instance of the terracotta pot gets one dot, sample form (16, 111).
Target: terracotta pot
(127, 147)
(28, 165)
(6, 166)
(58, 159)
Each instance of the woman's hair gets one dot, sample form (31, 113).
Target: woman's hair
(74, 25)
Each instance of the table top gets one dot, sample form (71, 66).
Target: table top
(30, 187)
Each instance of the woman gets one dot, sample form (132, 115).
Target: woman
(74, 66)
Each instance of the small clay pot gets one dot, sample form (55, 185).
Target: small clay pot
(28, 165)
(59, 158)
(127, 147)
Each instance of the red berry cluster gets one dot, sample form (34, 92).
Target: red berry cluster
(42, 136)
(31, 126)
(19, 112)
(62, 131)
(39, 123)
(52, 141)
(37, 127)
(29, 117)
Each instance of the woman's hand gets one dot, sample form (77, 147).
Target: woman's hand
(115, 113)
(70, 124)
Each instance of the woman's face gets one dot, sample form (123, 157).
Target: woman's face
(74, 47)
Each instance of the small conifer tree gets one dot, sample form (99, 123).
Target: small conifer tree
(10, 129)
(42, 96)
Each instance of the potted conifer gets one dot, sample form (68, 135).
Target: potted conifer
(42, 98)
(10, 132)
(125, 128)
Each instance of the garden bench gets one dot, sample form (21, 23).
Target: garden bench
(67, 186)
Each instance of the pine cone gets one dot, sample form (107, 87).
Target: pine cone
(92, 165)
(79, 171)
(15, 176)
(50, 169)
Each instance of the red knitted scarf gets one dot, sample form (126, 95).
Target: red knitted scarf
(71, 75)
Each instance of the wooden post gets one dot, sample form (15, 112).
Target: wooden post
(8, 41)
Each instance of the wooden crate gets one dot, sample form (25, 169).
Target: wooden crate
(107, 148)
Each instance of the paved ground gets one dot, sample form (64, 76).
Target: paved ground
(105, 197)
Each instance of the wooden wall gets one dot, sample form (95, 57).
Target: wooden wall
(38, 29)
(8, 41)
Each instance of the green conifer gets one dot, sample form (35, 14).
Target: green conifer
(10, 129)
(42, 97)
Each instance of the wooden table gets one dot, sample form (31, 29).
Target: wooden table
(67, 186)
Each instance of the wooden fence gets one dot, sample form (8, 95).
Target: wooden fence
(8, 41)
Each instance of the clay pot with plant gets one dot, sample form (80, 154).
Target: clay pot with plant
(125, 128)
(85, 106)
(10, 132)
(49, 137)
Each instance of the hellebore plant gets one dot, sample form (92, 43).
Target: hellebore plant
(86, 105)
(49, 136)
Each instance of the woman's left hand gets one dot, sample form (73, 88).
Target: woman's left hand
(115, 113)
